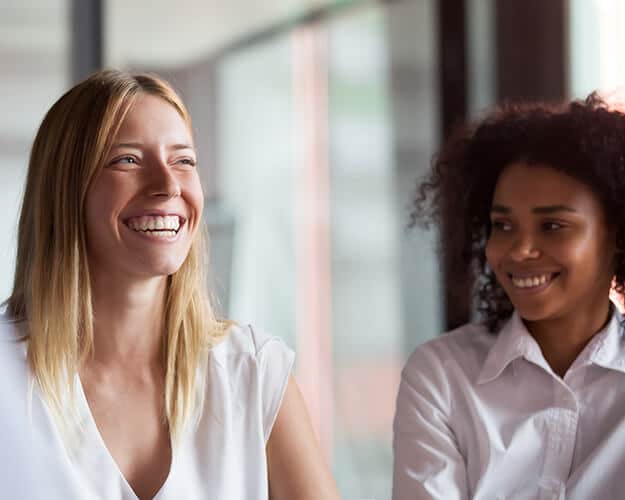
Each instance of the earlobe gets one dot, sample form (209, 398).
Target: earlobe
(617, 298)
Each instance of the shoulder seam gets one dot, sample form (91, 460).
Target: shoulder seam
(253, 335)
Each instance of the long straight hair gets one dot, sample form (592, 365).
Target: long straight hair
(52, 289)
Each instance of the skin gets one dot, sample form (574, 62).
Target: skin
(151, 169)
(545, 222)
(296, 469)
(618, 300)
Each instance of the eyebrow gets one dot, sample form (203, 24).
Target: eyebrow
(547, 209)
(138, 145)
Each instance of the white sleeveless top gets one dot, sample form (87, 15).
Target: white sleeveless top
(223, 458)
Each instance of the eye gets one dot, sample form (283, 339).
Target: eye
(501, 226)
(551, 226)
(187, 161)
(124, 159)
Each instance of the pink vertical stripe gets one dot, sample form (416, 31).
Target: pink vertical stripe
(312, 229)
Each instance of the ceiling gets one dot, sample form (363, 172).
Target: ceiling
(160, 32)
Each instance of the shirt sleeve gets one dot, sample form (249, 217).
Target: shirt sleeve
(427, 462)
(275, 363)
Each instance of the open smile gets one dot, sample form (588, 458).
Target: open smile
(156, 227)
(531, 283)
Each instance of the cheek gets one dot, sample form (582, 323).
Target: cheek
(103, 202)
(195, 196)
(96, 232)
(588, 257)
(584, 250)
(95, 208)
(198, 200)
(603, 258)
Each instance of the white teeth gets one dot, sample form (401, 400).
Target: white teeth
(161, 234)
(169, 223)
(532, 281)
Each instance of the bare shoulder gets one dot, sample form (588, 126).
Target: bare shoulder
(297, 468)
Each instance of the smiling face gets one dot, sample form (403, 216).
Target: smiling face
(550, 246)
(144, 207)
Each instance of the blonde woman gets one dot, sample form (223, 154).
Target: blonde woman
(129, 386)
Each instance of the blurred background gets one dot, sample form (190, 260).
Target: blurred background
(313, 121)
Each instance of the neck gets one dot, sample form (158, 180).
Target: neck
(128, 319)
(562, 339)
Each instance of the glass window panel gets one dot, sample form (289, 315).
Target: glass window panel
(34, 57)
(597, 46)
(321, 134)
(256, 182)
(380, 131)
(481, 55)
(367, 320)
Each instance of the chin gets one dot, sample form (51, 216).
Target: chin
(538, 312)
(532, 316)
(161, 268)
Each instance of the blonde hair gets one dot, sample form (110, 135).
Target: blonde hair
(52, 290)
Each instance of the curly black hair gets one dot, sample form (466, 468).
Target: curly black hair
(582, 139)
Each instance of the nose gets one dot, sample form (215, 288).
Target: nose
(523, 248)
(163, 181)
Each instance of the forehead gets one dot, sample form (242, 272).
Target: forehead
(153, 117)
(522, 185)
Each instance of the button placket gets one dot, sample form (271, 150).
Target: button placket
(561, 430)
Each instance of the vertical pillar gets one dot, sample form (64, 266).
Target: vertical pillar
(453, 102)
(87, 50)
(531, 49)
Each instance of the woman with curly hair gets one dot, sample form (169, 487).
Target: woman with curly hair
(528, 402)
(118, 380)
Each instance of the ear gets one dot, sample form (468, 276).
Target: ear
(617, 299)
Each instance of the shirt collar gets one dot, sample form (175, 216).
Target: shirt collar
(606, 349)
(513, 341)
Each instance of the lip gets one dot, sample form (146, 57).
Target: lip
(152, 239)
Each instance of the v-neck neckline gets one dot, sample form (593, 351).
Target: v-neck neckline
(93, 429)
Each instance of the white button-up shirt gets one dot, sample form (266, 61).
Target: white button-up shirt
(483, 416)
